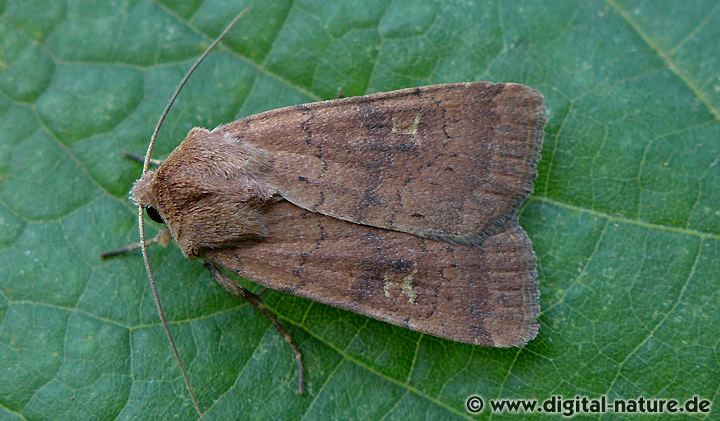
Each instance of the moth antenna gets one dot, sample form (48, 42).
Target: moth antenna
(161, 120)
(141, 219)
(161, 312)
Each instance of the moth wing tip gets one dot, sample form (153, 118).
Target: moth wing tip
(517, 337)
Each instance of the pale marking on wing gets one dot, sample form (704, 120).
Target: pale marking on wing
(403, 126)
(405, 284)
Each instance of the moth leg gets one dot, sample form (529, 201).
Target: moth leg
(256, 302)
(141, 159)
(163, 238)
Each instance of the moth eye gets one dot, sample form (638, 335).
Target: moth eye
(154, 214)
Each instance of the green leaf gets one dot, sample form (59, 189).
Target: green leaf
(625, 218)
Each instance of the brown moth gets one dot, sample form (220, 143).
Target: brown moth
(400, 206)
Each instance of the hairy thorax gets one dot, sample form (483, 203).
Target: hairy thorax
(210, 192)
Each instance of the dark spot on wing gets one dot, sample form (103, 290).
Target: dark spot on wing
(402, 265)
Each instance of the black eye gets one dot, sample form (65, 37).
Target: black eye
(154, 214)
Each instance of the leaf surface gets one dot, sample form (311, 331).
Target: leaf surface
(625, 218)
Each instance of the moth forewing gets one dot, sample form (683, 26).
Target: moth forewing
(451, 162)
(480, 295)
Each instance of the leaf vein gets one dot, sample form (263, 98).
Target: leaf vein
(699, 94)
(624, 220)
(650, 334)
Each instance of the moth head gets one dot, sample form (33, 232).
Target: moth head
(142, 195)
(210, 192)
